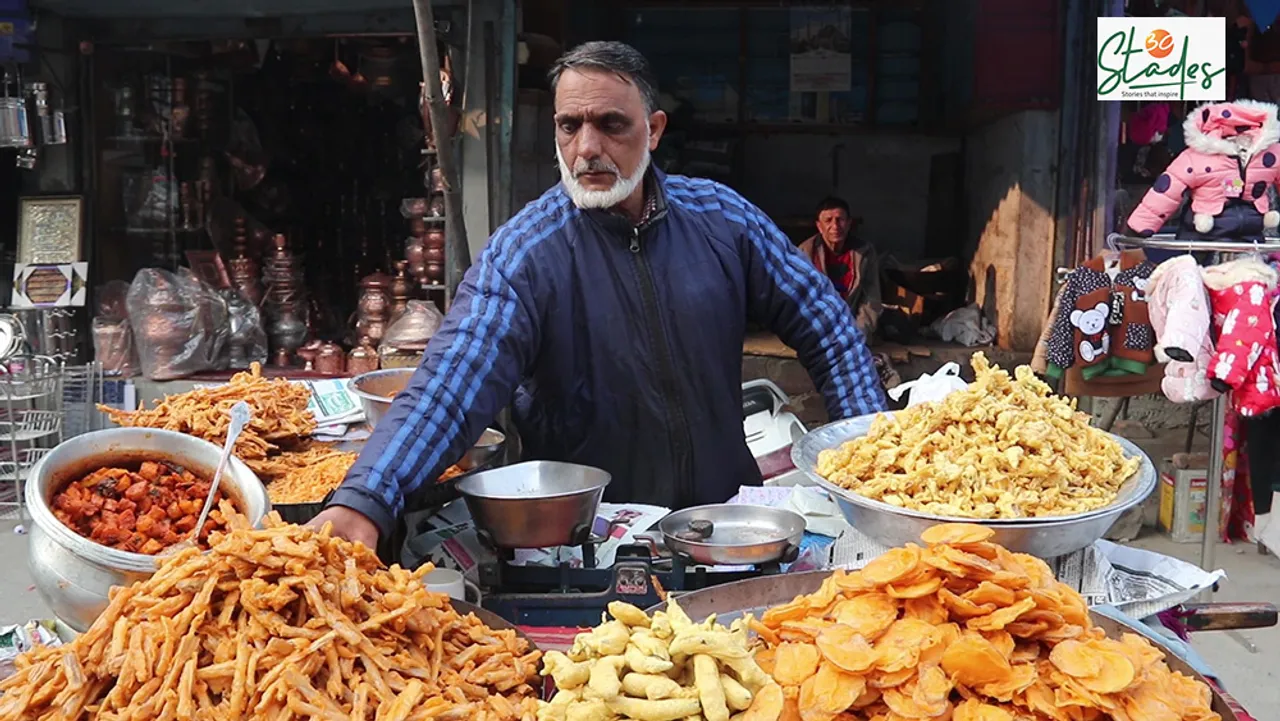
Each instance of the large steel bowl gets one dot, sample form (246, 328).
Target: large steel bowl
(72, 573)
(535, 504)
(377, 389)
(891, 525)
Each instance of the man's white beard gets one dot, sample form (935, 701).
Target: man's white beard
(603, 199)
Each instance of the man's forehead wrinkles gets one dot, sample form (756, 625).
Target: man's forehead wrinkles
(589, 112)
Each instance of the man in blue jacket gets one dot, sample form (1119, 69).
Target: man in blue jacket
(610, 314)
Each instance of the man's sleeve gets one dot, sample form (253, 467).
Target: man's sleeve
(468, 374)
(802, 307)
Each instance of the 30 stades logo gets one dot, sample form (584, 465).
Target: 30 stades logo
(1162, 59)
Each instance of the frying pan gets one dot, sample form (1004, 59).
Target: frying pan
(741, 534)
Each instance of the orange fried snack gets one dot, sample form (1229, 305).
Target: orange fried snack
(967, 631)
(280, 416)
(278, 623)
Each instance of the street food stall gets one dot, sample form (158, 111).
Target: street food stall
(951, 583)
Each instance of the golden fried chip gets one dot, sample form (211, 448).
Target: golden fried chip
(901, 645)
(1001, 617)
(830, 691)
(928, 609)
(920, 587)
(846, 649)
(795, 662)
(973, 660)
(953, 533)
(892, 565)
(869, 614)
(975, 710)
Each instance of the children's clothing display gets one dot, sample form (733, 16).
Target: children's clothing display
(1179, 310)
(1231, 160)
(1102, 324)
(1242, 293)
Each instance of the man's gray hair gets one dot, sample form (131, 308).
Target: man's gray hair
(614, 57)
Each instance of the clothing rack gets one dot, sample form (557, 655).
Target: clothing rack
(1213, 483)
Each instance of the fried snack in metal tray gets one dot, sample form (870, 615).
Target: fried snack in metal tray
(1000, 639)
(664, 668)
(1001, 448)
(278, 623)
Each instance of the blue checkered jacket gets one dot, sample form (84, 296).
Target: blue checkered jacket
(618, 347)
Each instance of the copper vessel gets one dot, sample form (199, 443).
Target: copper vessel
(363, 358)
(435, 206)
(244, 271)
(434, 238)
(433, 255)
(414, 251)
(374, 308)
(401, 289)
(435, 272)
(330, 360)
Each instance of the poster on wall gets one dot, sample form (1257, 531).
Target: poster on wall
(821, 59)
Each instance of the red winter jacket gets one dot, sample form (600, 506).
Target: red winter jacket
(1243, 295)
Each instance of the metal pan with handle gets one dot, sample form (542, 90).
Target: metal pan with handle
(733, 534)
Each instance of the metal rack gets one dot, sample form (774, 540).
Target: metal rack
(31, 422)
(1213, 484)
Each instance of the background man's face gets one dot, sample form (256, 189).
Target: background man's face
(833, 226)
(603, 132)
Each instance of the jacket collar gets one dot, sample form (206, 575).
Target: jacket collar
(654, 187)
(1128, 259)
(1265, 136)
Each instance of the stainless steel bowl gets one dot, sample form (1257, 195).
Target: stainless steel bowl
(535, 504)
(893, 526)
(377, 389)
(72, 573)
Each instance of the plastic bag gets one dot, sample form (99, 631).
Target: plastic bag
(931, 387)
(180, 325)
(248, 339)
(112, 337)
(414, 327)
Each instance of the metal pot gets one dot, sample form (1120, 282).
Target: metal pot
(74, 574)
(535, 504)
(377, 389)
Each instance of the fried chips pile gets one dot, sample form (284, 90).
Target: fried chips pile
(279, 623)
(1001, 448)
(662, 669)
(305, 476)
(967, 631)
(276, 445)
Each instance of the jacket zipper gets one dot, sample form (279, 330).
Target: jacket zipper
(677, 423)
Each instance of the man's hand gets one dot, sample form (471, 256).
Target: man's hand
(348, 524)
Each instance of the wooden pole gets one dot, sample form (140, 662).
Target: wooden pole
(458, 252)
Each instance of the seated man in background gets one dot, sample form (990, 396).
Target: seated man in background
(850, 263)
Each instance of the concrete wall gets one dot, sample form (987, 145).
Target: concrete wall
(1010, 179)
(885, 178)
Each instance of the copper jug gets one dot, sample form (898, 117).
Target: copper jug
(363, 358)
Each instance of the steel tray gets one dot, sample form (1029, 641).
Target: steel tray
(893, 526)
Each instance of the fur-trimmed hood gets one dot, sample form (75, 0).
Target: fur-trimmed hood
(1242, 270)
(1213, 127)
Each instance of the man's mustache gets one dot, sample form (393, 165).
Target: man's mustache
(595, 165)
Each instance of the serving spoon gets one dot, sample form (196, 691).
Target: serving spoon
(240, 415)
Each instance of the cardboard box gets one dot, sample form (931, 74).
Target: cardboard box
(1182, 496)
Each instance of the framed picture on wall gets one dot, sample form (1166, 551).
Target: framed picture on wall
(50, 229)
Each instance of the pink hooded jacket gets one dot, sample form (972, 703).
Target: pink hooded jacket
(1179, 308)
(1232, 152)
